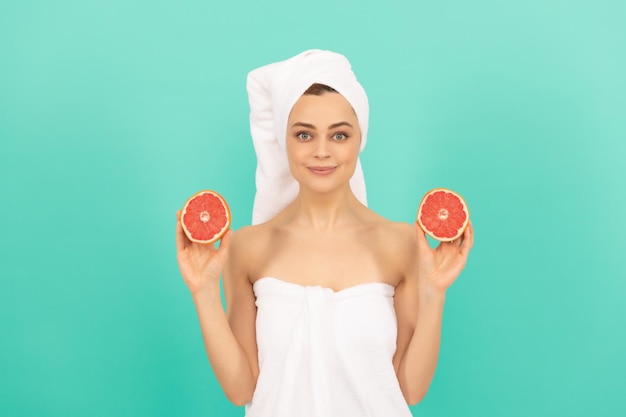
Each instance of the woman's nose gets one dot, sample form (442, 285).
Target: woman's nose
(321, 149)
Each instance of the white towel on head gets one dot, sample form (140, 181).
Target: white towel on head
(272, 91)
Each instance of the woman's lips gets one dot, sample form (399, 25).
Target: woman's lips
(322, 170)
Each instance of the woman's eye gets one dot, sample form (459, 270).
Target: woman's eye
(339, 136)
(304, 136)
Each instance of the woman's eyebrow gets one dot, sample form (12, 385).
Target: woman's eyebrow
(338, 124)
(302, 124)
(333, 126)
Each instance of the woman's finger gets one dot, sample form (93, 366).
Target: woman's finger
(468, 239)
(181, 239)
(225, 241)
(422, 241)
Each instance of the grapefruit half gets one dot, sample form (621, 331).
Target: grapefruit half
(205, 217)
(443, 214)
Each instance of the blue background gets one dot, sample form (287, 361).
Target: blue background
(112, 113)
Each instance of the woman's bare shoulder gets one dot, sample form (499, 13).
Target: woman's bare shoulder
(397, 234)
(386, 229)
(249, 237)
(394, 245)
(395, 240)
(246, 249)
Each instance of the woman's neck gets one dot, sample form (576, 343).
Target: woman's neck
(324, 211)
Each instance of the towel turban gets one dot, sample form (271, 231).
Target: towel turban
(272, 92)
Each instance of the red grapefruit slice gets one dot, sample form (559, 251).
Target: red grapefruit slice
(205, 217)
(443, 214)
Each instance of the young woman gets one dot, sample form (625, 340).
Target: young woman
(331, 310)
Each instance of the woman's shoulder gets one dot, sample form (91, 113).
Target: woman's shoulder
(389, 228)
(389, 234)
(249, 236)
(254, 240)
(395, 233)
(247, 247)
(394, 244)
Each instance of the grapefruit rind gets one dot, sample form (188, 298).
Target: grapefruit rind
(431, 233)
(217, 236)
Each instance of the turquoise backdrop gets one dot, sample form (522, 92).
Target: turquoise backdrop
(113, 112)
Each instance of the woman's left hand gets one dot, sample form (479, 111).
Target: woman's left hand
(438, 268)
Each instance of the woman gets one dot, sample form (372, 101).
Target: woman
(332, 310)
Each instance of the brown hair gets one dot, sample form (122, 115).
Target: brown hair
(319, 89)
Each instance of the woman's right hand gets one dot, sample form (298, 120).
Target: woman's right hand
(200, 265)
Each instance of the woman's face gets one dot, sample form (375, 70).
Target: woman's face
(323, 141)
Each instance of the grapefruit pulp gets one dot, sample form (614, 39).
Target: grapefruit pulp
(443, 214)
(205, 217)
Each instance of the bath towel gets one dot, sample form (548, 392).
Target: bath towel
(325, 353)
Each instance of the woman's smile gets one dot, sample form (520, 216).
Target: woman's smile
(322, 170)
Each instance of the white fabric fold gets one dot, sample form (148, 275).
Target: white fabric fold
(325, 353)
(272, 91)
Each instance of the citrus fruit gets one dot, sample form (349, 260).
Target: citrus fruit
(443, 214)
(205, 217)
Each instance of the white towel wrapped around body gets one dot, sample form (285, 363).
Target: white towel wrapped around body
(272, 92)
(325, 353)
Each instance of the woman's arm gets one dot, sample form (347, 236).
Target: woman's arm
(233, 362)
(227, 339)
(419, 334)
(419, 303)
